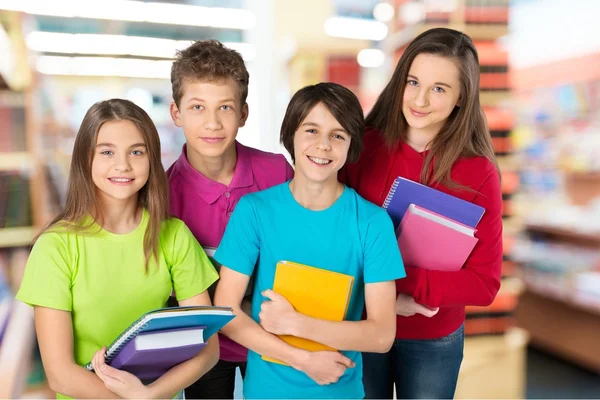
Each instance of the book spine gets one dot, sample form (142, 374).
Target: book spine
(117, 346)
(390, 195)
(121, 342)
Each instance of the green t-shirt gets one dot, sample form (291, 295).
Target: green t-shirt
(101, 278)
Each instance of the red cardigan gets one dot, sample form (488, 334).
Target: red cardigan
(479, 280)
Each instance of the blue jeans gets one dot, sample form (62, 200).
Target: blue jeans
(420, 369)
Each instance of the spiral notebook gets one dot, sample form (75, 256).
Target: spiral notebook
(405, 192)
(151, 354)
(171, 323)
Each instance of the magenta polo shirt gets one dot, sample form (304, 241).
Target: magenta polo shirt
(205, 205)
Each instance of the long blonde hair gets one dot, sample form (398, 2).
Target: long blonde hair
(465, 133)
(82, 200)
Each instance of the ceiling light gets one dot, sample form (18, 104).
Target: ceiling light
(355, 28)
(412, 13)
(137, 11)
(117, 45)
(370, 58)
(383, 12)
(104, 66)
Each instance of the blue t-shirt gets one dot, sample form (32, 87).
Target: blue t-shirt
(352, 236)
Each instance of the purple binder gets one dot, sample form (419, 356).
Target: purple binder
(405, 192)
(150, 364)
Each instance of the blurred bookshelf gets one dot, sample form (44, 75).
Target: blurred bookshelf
(558, 252)
(24, 206)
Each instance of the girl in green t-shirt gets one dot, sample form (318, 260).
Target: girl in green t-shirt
(112, 255)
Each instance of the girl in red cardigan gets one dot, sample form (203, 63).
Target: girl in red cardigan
(428, 126)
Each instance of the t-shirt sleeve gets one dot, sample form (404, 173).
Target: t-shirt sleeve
(191, 270)
(382, 256)
(239, 246)
(47, 279)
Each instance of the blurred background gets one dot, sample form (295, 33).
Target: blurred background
(540, 89)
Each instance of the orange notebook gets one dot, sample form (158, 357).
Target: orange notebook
(315, 292)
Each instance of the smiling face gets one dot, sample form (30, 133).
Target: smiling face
(320, 146)
(431, 93)
(120, 166)
(210, 114)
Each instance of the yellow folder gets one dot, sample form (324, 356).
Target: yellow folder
(315, 292)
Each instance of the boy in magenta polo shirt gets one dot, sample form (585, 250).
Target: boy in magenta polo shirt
(210, 86)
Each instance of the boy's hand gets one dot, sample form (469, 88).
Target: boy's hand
(407, 307)
(277, 315)
(122, 383)
(324, 367)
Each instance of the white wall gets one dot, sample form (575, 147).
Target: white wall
(544, 31)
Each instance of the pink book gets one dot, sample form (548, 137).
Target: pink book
(432, 241)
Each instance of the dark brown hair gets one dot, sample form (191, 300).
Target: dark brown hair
(465, 133)
(82, 200)
(341, 103)
(208, 60)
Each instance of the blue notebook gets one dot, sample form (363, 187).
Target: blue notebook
(405, 192)
(210, 318)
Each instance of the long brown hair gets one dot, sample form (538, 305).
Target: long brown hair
(465, 133)
(82, 200)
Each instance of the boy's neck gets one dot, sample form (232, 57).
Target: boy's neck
(218, 169)
(121, 217)
(315, 196)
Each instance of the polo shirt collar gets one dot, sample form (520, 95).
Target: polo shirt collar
(209, 190)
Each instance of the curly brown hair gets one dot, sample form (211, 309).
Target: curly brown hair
(208, 60)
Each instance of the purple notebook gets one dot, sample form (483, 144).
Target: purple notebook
(405, 192)
(151, 354)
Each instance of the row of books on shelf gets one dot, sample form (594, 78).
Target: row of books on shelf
(566, 271)
(14, 199)
(12, 122)
(551, 257)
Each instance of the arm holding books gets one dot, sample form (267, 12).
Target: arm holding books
(46, 286)
(479, 280)
(176, 379)
(55, 337)
(375, 334)
(323, 367)
(382, 265)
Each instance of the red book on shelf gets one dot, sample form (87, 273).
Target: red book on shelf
(433, 241)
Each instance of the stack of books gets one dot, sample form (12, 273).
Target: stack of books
(435, 230)
(163, 338)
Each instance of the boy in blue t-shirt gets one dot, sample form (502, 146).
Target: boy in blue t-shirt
(313, 220)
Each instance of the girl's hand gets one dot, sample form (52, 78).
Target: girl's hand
(277, 315)
(122, 383)
(407, 307)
